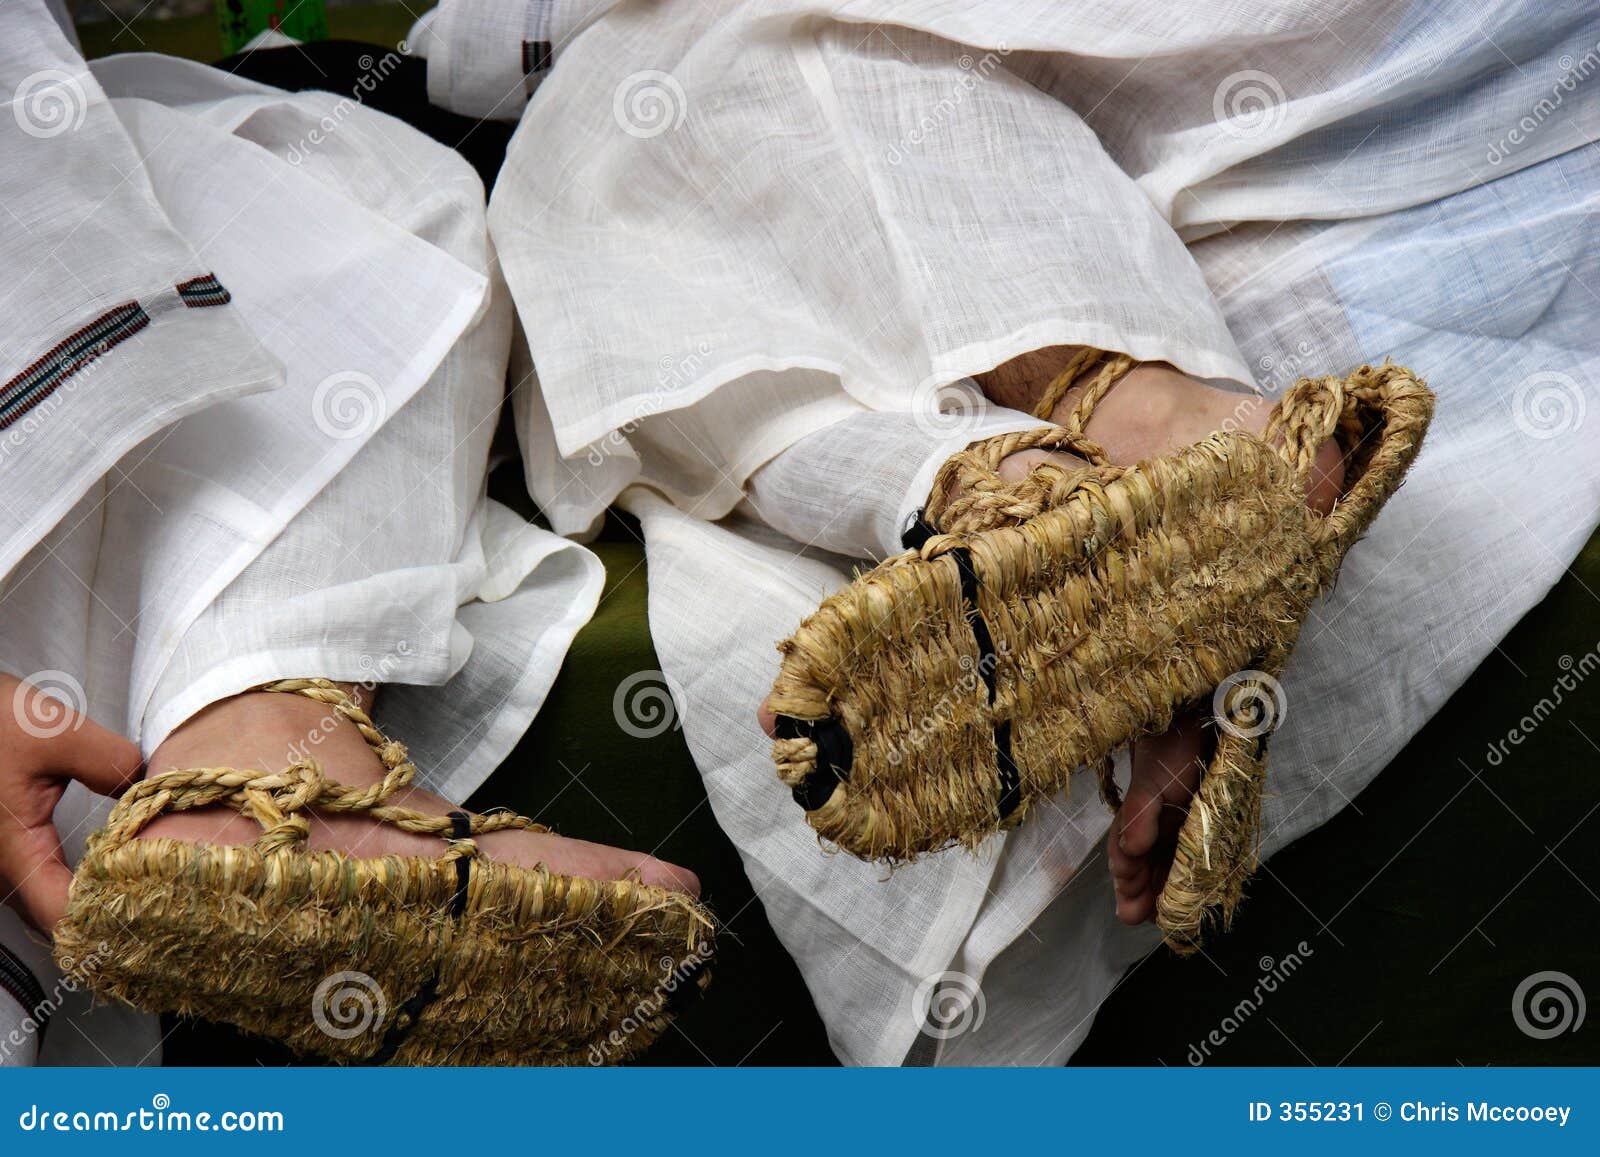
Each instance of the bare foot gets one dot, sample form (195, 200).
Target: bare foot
(1153, 410)
(269, 730)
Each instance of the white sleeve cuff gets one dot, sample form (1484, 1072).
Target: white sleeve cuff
(485, 57)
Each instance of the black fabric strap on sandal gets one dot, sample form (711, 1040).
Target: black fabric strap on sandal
(835, 753)
(988, 660)
(918, 532)
(408, 1014)
(834, 747)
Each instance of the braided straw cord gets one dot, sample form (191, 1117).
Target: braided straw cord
(1058, 386)
(1115, 596)
(968, 494)
(453, 959)
(1217, 845)
(279, 800)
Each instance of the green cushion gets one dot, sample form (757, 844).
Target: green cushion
(198, 38)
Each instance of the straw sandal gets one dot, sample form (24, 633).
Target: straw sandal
(1036, 627)
(454, 960)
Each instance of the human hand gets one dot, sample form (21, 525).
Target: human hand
(45, 744)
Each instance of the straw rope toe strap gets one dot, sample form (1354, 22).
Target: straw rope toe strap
(457, 959)
(1035, 626)
(279, 800)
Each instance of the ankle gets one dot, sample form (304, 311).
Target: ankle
(269, 730)
(1018, 384)
(1136, 416)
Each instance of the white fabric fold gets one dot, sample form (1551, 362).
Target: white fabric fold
(99, 351)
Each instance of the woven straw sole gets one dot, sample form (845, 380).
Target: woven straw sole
(937, 698)
(1103, 627)
(453, 960)
(322, 952)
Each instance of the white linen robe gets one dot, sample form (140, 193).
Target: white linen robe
(733, 229)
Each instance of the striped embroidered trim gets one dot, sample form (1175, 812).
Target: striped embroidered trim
(202, 291)
(41, 379)
(36, 383)
(535, 56)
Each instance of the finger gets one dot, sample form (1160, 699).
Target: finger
(1139, 817)
(1123, 865)
(101, 760)
(1138, 909)
(41, 878)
